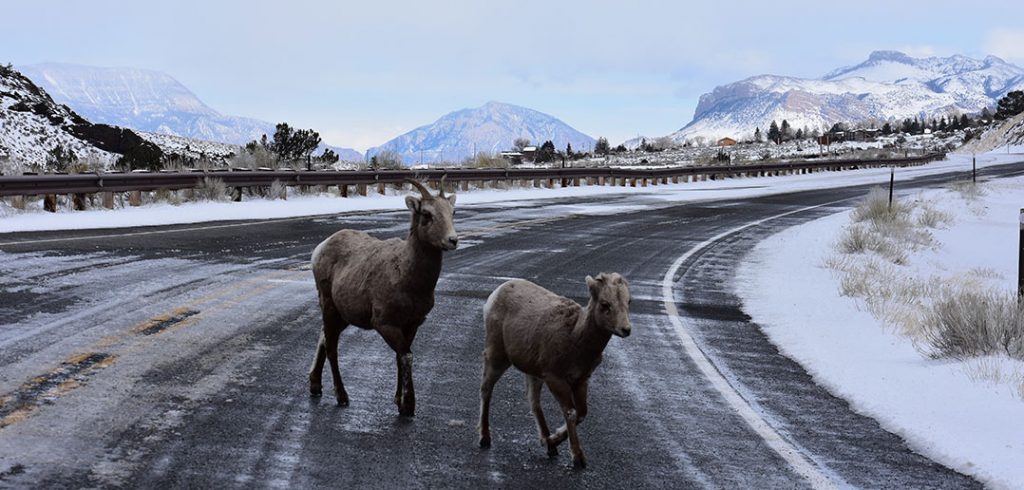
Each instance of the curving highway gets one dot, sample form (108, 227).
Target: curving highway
(175, 357)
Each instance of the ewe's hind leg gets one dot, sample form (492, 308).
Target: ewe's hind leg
(494, 366)
(327, 349)
(533, 386)
(316, 370)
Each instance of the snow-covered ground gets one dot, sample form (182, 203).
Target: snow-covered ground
(12, 220)
(964, 414)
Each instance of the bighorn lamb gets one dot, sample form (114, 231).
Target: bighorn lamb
(384, 285)
(554, 341)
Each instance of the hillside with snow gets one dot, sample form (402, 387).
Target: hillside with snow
(33, 127)
(889, 85)
(490, 128)
(150, 101)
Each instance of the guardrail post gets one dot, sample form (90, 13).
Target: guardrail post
(343, 190)
(18, 202)
(135, 198)
(575, 181)
(381, 189)
(361, 188)
(654, 181)
(50, 202)
(78, 202)
(465, 185)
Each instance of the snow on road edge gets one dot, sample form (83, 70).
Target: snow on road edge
(969, 426)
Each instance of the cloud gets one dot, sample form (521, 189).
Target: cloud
(1006, 43)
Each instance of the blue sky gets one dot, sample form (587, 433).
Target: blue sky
(362, 73)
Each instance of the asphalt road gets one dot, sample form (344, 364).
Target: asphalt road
(176, 357)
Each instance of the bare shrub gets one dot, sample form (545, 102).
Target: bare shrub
(876, 210)
(212, 189)
(167, 195)
(968, 324)
(930, 217)
(968, 190)
(386, 160)
(485, 160)
(278, 190)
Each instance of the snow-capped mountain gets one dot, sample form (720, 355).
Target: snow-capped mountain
(888, 85)
(33, 126)
(148, 101)
(490, 128)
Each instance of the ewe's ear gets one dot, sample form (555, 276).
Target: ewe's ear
(413, 203)
(451, 199)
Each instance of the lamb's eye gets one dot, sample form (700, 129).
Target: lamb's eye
(427, 216)
(606, 305)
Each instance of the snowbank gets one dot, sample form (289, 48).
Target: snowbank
(197, 212)
(966, 415)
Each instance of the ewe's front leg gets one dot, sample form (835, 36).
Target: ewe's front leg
(533, 386)
(405, 398)
(563, 393)
(579, 398)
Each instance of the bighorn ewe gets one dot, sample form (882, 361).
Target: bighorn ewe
(384, 285)
(554, 341)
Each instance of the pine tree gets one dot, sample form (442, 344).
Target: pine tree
(1010, 105)
(787, 131)
(887, 129)
(601, 147)
(774, 134)
(757, 135)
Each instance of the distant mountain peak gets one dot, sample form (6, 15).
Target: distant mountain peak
(492, 127)
(888, 85)
(147, 100)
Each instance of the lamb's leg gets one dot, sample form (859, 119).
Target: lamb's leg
(579, 398)
(494, 367)
(533, 386)
(563, 393)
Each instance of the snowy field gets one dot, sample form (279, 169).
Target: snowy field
(866, 344)
(34, 219)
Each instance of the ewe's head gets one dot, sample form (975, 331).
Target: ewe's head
(610, 299)
(433, 217)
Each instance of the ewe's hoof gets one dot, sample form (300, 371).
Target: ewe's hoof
(552, 450)
(485, 442)
(315, 390)
(407, 412)
(342, 402)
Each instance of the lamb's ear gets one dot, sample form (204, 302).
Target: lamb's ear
(593, 286)
(413, 203)
(451, 199)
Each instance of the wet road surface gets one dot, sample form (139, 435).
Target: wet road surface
(176, 357)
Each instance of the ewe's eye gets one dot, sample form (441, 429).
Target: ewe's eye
(606, 305)
(427, 216)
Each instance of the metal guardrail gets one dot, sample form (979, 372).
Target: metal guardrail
(28, 185)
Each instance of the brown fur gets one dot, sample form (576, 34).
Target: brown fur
(384, 285)
(554, 341)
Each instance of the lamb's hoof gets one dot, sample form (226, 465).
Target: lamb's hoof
(552, 450)
(407, 412)
(485, 442)
(315, 390)
(343, 402)
(579, 462)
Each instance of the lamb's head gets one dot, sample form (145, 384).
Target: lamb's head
(433, 217)
(610, 300)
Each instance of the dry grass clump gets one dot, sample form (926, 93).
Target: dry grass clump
(968, 324)
(212, 189)
(968, 190)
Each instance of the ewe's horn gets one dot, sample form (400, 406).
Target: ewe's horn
(423, 190)
(442, 186)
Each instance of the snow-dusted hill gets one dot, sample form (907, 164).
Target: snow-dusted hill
(148, 101)
(888, 85)
(489, 128)
(32, 126)
(191, 148)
